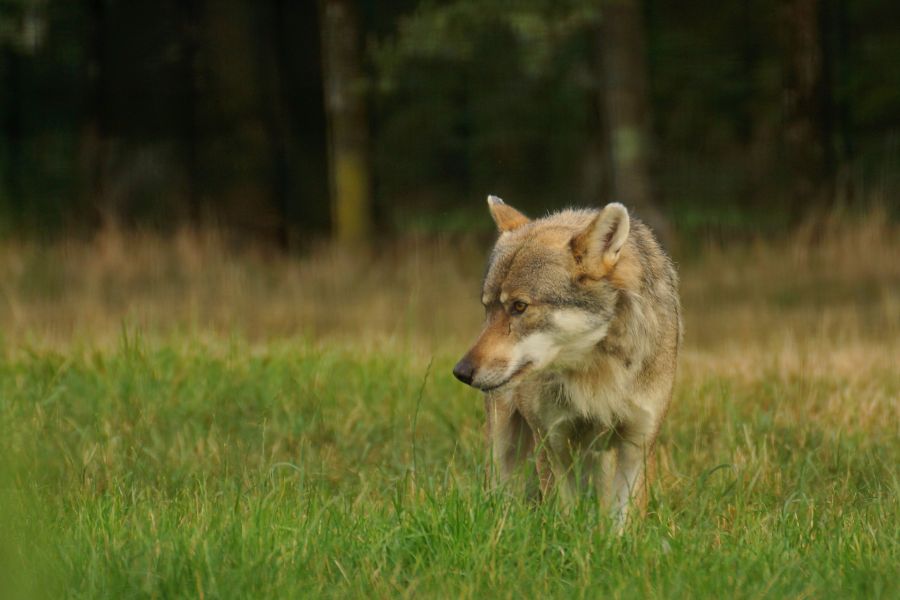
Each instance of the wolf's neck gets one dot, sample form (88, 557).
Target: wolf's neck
(632, 332)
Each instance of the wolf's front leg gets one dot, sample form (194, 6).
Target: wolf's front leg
(511, 441)
(630, 482)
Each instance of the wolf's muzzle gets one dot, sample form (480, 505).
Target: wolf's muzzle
(464, 370)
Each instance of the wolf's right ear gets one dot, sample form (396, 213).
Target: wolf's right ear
(601, 242)
(505, 216)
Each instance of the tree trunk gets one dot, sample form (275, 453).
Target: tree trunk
(191, 133)
(280, 123)
(12, 129)
(351, 205)
(271, 56)
(95, 143)
(806, 118)
(628, 111)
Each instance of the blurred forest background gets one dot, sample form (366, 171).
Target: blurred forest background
(287, 121)
(240, 251)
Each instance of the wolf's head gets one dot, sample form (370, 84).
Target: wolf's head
(549, 293)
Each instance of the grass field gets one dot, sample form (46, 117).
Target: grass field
(181, 418)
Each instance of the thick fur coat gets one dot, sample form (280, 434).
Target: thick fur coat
(578, 353)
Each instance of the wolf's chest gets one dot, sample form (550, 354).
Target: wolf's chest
(599, 394)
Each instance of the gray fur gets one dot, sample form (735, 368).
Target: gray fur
(592, 358)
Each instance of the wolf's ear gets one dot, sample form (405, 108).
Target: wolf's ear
(505, 216)
(601, 242)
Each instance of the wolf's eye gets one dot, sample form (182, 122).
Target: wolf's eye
(518, 307)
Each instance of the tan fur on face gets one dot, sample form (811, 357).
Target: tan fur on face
(493, 343)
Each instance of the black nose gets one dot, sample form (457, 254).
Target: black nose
(464, 370)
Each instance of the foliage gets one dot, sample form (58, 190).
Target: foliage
(216, 114)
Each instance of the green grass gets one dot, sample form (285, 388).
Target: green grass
(220, 469)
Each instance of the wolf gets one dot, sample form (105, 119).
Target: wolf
(578, 353)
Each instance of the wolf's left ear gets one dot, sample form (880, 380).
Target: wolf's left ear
(601, 242)
(505, 216)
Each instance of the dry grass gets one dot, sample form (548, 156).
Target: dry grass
(195, 282)
(823, 303)
(840, 287)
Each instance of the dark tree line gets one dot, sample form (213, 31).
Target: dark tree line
(280, 118)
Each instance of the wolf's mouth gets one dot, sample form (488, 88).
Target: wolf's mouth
(515, 374)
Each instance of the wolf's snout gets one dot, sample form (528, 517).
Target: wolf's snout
(464, 370)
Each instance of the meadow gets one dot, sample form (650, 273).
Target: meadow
(186, 417)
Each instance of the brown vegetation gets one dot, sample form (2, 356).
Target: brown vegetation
(829, 291)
